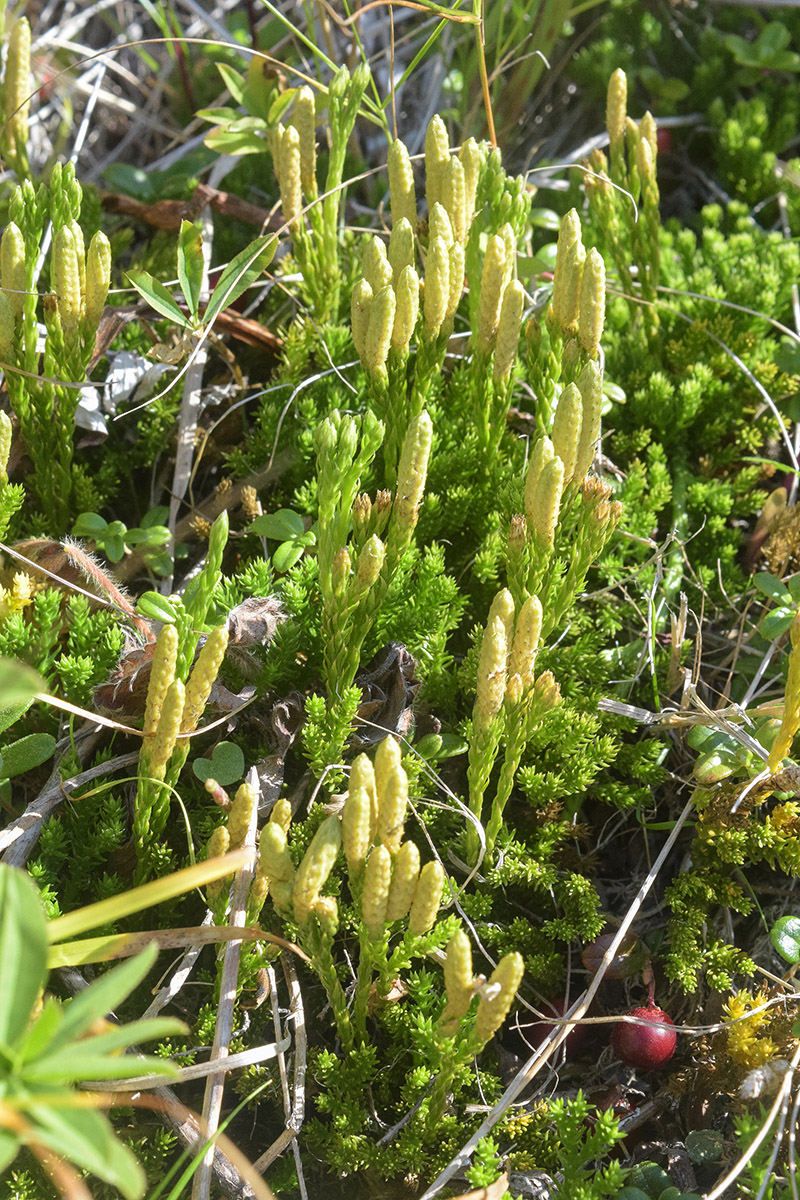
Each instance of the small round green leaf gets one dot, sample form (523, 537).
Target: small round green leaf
(705, 1145)
(775, 623)
(287, 555)
(772, 587)
(785, 937)
(226, 764)
(89, 525)
(156, 608)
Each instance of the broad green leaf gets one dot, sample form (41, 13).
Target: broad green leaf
(226, 764)
(162, 564)
(739, 48)
(114, 548)
(280, 525)
(240, 273)
(190, 265)
(157, 608)
(157, 296)
(23, 951)
(699, 736)
(287, 555)
(9, 716)
(776, 623)
(714, 766)
(794, 588)
(234, 81)
(86, 1138)
(261, 87)
(155, 516)
(773, 38)
(131, 180)
(770, 586)
(120, 1037)
(9, 1148)
(89, 525)
(27, 753)
(279, 106)
(18, 686)
(219, 116)
(228, 139)
(155, 535)
(785, 937)
(102, 995)
(545, 218)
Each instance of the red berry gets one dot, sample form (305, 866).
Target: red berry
(648, 1046)
(663, 140)
(535, 1032)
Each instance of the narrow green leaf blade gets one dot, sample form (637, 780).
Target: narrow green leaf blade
(145, 896)
(190, 265)
(157, 296)
(23, 951)
(240, 273)
(76, 1065)
(234, 81)
(103, 995)
(40, 1036)
(86, 1138)
(9, 1148)
(119, 1037)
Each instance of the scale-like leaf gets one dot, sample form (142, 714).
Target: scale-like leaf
(23, 951)
(86, 1138)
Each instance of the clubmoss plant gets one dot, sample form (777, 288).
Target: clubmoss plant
(178, 692)
(316, 244)
(45, 401)
(16, 93)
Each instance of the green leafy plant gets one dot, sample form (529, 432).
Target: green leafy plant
(115, 539)
(769, 52)
(288, 528)
(47, 1048)
(235, 279)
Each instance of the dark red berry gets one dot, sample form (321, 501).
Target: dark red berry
(534, 1032)
(663, 140)
(629, 960)
(647, 1046)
